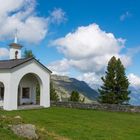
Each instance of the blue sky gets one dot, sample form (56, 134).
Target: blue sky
(120, 18)
(106, 13)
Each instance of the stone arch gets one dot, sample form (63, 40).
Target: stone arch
(27, 88)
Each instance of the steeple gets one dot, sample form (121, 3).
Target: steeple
(15, 48)
(16, 38)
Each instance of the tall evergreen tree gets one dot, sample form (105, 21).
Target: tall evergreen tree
(28, 54)
(115, 84)
(75, 96)
(122, 84)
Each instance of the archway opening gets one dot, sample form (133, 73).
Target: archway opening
(29, 90)
(16, 54)
(1, 94)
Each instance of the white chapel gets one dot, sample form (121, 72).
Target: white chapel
(23, 81)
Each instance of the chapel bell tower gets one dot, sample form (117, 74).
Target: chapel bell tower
(15, 49)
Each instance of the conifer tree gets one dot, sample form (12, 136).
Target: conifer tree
(28, 53)
(115, 84)
(122, 84)
(75, 96)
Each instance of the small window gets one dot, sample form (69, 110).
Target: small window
(16, 54)
(26, 93)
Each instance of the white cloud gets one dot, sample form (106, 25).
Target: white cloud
(7, 6)
(125, 16)
(21, 16)
(60, 67)
(134, 80)
(33, 30)
(57, 16)
(89, 49)
(4, 52)
(87, 41)
(92, 79)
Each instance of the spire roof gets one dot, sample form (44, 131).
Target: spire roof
(15, 43)
(16, 39)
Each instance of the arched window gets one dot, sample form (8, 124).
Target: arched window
(16, 54)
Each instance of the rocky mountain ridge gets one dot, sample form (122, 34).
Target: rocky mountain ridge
(65, 85)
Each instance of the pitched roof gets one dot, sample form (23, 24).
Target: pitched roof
(15, 45)
(9, 64)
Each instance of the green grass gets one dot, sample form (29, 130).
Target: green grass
(75, 124)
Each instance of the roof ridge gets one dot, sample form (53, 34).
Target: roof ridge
(17, 59)
(10, 64)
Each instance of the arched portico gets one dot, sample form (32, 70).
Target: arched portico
(29, 90)
(18, 81)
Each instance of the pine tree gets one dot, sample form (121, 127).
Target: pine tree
(122, 84)
(115, 84)
(74, 96)
(28, 53)
(53, 94)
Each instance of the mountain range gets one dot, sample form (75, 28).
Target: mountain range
(135, 96)
(64, 85)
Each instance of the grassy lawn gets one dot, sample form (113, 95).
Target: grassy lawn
(75, 124)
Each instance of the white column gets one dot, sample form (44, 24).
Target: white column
(10, 98)
(33, 94)
(45, 93)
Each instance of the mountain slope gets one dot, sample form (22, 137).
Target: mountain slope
(65, 85)
(135, 96)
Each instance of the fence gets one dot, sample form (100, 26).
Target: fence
(97, 106)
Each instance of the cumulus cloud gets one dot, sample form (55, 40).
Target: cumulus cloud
(134, 80)
(92, 79)
(57, 16)
(60, 67)
(21, 16)
(125, 16)
(88, 41)
(89, 49)
(4, 52)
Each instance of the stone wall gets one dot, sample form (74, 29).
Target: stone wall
(97, 106)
